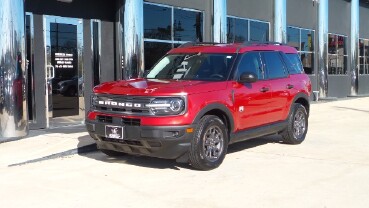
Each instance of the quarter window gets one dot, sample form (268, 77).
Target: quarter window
(274, 65)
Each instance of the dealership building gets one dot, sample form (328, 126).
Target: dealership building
(52, 53)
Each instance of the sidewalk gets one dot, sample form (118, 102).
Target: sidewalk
(46, 143)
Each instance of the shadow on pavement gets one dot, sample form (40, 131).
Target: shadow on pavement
(252, 143)
(137, 160)
(91, 151)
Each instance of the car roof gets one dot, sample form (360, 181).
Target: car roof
(231, 48)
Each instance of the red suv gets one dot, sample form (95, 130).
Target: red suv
(201, 97)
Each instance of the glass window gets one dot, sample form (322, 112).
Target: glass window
(337, 54)
(250, 62)
(307, 60)
(187, 25)
(293, 37)
(295, 63)
(157, 22)
(307, 40)
(197, 66)
(363, 56)
(237, 30)
(303, 41)
(154, 51)
(259, 31)
(166, 27)
(274, 65)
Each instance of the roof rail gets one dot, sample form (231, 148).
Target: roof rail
(258, 43)
(189, 44)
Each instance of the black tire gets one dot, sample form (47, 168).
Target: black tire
(297, 128)
(112, 153)
(209, 154)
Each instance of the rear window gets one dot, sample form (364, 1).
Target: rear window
(293, 63)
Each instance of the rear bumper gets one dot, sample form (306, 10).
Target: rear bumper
(170, 142)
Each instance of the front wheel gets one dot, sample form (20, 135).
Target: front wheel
(209, 144)
(296, 130)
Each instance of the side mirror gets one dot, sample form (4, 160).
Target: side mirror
(248, 77)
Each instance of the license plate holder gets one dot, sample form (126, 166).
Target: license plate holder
(114, 132)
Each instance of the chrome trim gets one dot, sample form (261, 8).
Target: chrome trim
(354, 40)
(13, 82)
(280, 24)
(30, 69)
(322, 49)
(220, 21)
(132, 41)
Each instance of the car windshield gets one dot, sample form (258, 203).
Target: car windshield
(196, 66)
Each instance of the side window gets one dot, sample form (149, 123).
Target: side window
(250, 62)
(293, 63)
(274, 65)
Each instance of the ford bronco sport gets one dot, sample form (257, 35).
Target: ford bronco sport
(201, 97)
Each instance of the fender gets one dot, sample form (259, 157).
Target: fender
(305, 97)
(216, 106)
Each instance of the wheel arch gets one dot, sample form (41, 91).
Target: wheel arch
(303, 99)
(219, 110)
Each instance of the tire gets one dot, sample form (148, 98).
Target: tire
(209, 144)
(297, 128)
(112, 153)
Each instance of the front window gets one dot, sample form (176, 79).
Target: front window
(197, 66)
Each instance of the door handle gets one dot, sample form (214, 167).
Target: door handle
(264, 89)
(289, 86)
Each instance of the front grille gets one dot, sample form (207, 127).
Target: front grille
(131, 122)
(122, 104)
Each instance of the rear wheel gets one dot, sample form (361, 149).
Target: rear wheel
(209, 144)
(296, 130)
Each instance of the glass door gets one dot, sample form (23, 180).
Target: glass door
(64, 71)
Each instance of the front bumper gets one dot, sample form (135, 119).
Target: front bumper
(169, 142)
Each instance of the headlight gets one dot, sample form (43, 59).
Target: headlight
(167, 106)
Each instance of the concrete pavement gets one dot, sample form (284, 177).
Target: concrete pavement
(330, 169)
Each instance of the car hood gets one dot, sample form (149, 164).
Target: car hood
(156, 87)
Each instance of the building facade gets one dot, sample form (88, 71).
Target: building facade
(72, 45)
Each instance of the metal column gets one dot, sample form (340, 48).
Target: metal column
(322, 51)
(13, 105)
(280, 24)
(130, 27)
(220, 21)
(354, 40)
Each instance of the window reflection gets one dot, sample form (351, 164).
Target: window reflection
(337, 54)
(157, 22)
(154, 51)
(307, 40)
(363, 56)
(259, 31)
(187, 25)
(303, 41)
(293, 37)
(238, 30)
(166, 27)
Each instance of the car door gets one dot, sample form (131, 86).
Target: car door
(280, 87)
(251, 100)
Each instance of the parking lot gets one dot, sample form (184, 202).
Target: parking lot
(330, 169)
